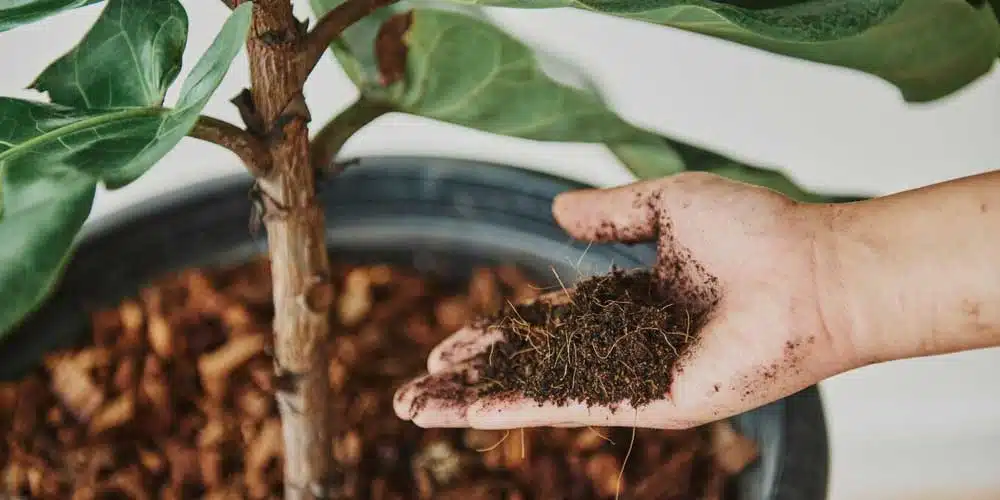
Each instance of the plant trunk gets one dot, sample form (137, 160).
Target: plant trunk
(297, 246)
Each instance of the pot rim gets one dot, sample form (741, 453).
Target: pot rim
(166, 200)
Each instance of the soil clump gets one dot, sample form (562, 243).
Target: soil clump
(613, 338)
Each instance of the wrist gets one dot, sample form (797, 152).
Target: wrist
(902, 281)
(845, 282)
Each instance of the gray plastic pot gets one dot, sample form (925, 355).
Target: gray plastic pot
(439, 215)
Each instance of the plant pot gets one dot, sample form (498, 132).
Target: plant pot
(438, 215)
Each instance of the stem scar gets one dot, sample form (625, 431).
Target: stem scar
(318, 295)
(296, 109)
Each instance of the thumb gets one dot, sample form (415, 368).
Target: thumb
(627, 214)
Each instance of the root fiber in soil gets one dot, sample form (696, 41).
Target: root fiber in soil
(612, 338)
(172, 396)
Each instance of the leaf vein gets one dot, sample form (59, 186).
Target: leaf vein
(476, 90)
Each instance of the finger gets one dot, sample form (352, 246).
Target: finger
(470, 342)
(564, 425)
(460, 347)
(436, 400)
(509, 414)
(624, 214)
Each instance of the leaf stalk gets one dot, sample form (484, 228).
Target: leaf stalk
(330, 139)
(331, 26)
(251, 150)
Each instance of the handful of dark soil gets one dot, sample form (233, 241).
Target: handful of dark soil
(614, 338)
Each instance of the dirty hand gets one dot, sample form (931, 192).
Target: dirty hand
(745, 255)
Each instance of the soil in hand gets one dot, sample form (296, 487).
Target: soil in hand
(172, 396)
(614, 338)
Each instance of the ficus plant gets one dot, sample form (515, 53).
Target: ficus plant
(105, 122)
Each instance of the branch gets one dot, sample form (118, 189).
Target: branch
(331, 138)
(250, 149)
(302, 290)
(330, 27)
(232, 4)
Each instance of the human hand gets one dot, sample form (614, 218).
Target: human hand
(747, 256)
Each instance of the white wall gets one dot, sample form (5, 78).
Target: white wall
(924, 427)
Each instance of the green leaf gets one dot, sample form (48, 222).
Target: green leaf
(43, 137)
(927, 48)
(460, 70)
(463, 71)
(662, 157)
(53, 156)
(14, 13)
(130, 56)
(778, 181)
(355, 50)
(457, 69)
(42, 217)
(200, 84)
(995, 5)
(466, 72)
(649, 159)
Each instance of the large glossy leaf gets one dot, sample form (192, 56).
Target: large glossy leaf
(463, 71)
(927, 48)
(130, 56)
(460, 70)
(53, 156)
(14, 13)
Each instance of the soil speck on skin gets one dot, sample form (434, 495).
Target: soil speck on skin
(768, 374)
(616, 339)
(448, 388)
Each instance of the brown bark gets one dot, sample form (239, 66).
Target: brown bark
(299, 262)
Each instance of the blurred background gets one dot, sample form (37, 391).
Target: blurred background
(915, 429)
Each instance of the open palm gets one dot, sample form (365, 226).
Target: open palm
(746, 256)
